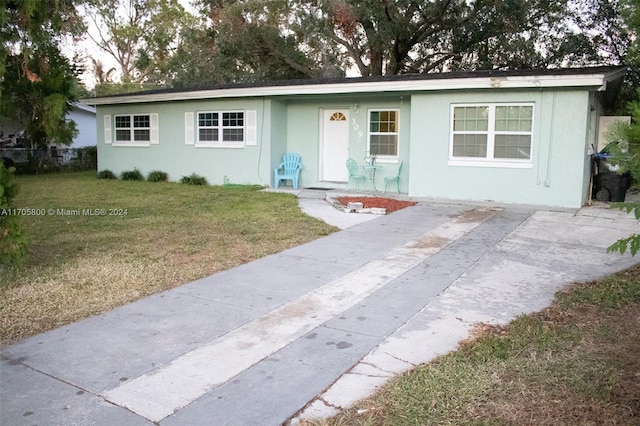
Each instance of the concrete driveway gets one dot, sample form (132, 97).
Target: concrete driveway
(314, 328)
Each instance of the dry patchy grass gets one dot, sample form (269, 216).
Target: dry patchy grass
(575, 362)
(171, 234)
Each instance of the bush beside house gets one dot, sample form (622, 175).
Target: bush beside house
(13, 243)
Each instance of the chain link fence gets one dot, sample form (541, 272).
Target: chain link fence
(28, 160)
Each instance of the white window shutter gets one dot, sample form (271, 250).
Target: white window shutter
(188, 128)
(153, 130)
(107, 129)
(251, 137)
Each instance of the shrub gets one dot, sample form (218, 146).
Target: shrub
(132, 175)
(106, 174)
(13, 244)
(157, 176)
(194, 179)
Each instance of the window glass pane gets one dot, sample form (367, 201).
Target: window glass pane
(232, 119)
(383, 121)
(141, 135)
(207, 119)
(471, 135)
(513, 125)
(471, 125)
(208, 135)
(123, 121)
(483, 118)
(470, 146)
(233, 135)
(512, 146)
(514, 118)
(123, 135)
(383, 126)
(393, 122)
(374, 121)
(513, 112)
(384, 145)
(141, 121)
(471, 119)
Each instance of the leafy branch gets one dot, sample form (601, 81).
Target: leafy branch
(632, 242)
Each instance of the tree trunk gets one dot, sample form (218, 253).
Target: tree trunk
(376, 62)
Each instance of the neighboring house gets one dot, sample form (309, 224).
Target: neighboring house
(83, 115)
(85, 118)
(13, 146)
(506, 136)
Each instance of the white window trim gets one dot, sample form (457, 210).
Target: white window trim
(153, 130)
(220, 127)
(388, 159)
(490, 161)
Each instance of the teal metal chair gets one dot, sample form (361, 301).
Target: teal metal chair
(290, 167)
(395, 179)
(353, 167)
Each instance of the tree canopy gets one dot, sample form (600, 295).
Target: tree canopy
(37, 82)
(140, 35)
(248, 40)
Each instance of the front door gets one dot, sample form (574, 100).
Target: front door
(334, 145)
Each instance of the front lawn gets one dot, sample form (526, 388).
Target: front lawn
(97, 244)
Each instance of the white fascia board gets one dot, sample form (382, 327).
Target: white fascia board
(593, 81)
(84, 107)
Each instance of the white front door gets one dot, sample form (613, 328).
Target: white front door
(334, 145)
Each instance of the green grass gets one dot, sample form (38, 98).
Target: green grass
(575, 362)
(142, 238)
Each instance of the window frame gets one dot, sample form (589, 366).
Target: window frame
(384, 158)
(132, 129)
(490, 160)
(220, 127)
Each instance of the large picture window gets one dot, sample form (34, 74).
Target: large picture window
(221, 128)
(492, 132)
(384, 133)
(133, 128)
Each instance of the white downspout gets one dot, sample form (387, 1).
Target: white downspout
(547, 181)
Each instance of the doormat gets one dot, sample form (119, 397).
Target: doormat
(316, 188)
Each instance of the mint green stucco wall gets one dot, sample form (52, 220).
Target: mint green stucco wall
(559, 150)
(304, 133)
(559, 174)
(250, 164)
(278, 136)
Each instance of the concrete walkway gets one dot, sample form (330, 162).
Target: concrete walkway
(312, 329)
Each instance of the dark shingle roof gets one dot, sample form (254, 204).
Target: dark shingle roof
(391, 78)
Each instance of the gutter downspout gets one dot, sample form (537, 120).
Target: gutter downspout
(547, 181)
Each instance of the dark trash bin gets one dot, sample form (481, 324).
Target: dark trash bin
(610, 186)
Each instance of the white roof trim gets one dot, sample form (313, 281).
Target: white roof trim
(84, 107)
(595, 81)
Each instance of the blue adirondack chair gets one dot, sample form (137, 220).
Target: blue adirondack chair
(352, 166)
(290, 167)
